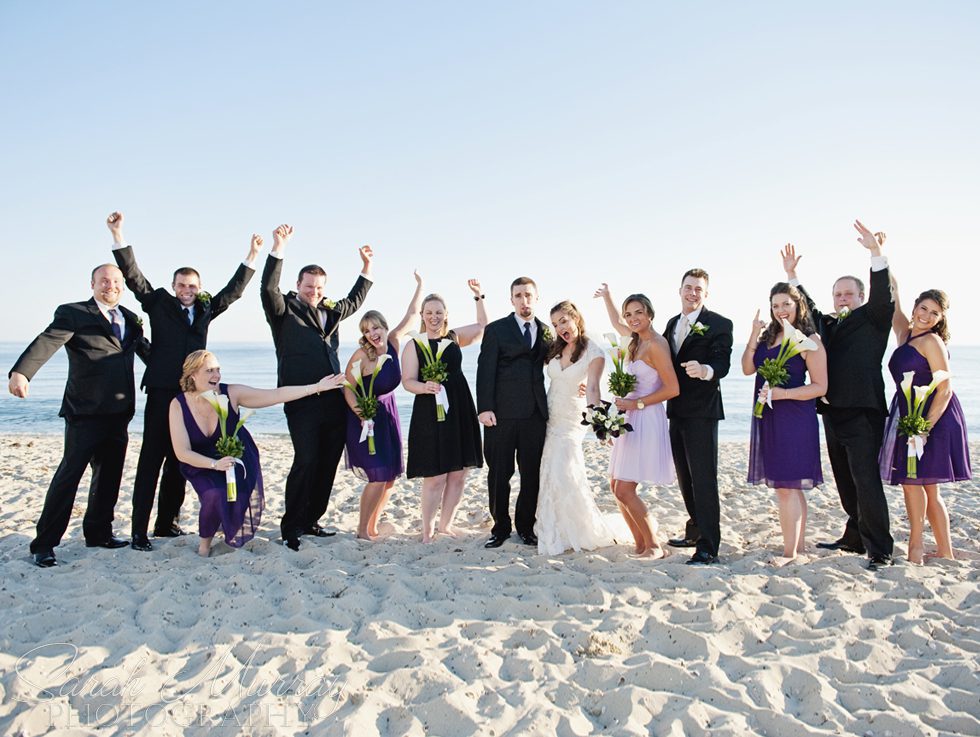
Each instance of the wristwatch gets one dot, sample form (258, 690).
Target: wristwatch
(639, 404)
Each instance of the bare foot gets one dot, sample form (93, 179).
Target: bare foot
(204, 550)
(451, 531)
(364, 535)
(781, 560)
(427, 539)
(915, 555)
(655, 553)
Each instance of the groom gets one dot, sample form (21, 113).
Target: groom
(513, 410)
(701, 349)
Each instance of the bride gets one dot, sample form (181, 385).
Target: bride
(567, 515)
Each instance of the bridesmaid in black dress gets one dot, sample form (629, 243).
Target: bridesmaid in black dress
(442, 452)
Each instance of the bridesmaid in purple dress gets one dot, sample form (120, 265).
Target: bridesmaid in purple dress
(946, 455)
(784, 451)
(194, 429)
(381, 469)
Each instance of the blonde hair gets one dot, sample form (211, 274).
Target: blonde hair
(371, 317)
(444, 330)
(193, 364)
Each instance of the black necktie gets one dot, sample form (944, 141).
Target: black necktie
(187, 314)
(527, 335)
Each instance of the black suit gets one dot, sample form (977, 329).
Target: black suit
(174, 338)
(306, 351)
(694, 416)
(510, 383)
(854, 413)
(99, 401)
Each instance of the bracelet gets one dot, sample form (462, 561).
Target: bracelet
(214, 465)
(477, 299)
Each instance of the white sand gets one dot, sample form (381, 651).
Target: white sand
(397, 638)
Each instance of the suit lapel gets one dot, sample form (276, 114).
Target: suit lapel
(669, 334)
(515, 331)
(101, 320)
(309, 315)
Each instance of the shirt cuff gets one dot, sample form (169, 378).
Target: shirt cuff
(249, 264)
(367, 277)
(118, 246)
(878, 263)
(794, 282)
(709, 373)
(276, 255)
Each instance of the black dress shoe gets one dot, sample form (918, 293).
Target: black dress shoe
(172, 531)
(45, 559)
(879, 561)
(682, 542)
(141, 542)
(292, 543)
(317, 531)
(110, 542)
(529, 539)
(842, 544)
(495, 541)
(702, 558)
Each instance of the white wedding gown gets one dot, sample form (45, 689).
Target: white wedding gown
(567, 515)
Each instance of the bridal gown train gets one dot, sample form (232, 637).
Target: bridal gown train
(567, 515)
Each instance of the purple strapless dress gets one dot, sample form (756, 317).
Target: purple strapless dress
(946, 456)
(784, 452)
(386, 464)
(238, 519)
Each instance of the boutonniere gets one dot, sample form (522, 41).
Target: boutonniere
(139, 320)
(699, 328)
(204, 298)
(843, 313)
(546, 335)
(328, 304)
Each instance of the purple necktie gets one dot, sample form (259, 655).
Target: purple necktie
(116, 328)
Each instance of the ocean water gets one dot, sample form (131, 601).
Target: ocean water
(255, 364)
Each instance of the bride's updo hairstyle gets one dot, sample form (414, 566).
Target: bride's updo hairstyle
(648, 307)
(444, 330)
(371, 318)
(558, 345)
(192, 364)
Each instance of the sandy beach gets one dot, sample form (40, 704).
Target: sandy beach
(347, 637)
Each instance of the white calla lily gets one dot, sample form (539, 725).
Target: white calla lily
(382, 360)
(443, 345)
(612, 338)
(906, 386)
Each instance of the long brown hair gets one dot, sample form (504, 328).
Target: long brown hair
(558, 345)
(369, 317)
(803, 321)
(648, 307)
(940, 298)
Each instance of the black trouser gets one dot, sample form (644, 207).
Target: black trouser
(99, 441)
(694, 445)
(157, 450)
(318, 429)
(525, 438)
(853, 442)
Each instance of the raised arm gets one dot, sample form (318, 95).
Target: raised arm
(232, 291)
(880, 303)
(411, 314)
(748, 355)
(273, 303)
(615, 319)
(900, 321)
(136, 282)
(471, 333)
(247, 396)
(352, 302)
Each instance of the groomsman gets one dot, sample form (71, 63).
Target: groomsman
(701, 348)
(101, 337)
(854, 410)
(513, 409)
(304, 329)
(179, 325)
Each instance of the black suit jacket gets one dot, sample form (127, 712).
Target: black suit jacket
(855, 347)
(305, 351)
(173, 337)
(100, 368)
(509, 375)
(699, 398)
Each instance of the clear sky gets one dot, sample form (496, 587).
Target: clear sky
(574, 142)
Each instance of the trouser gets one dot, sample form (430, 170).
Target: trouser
(525, 439)
(694, 445)
(157, 450)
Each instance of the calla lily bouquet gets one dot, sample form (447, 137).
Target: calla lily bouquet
(367, 403)
(228, 444)
(913, 425)
(773, 370)
(434, 369)
(605, 420)
(620, 382)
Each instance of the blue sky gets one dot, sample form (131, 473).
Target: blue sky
(573, 142)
